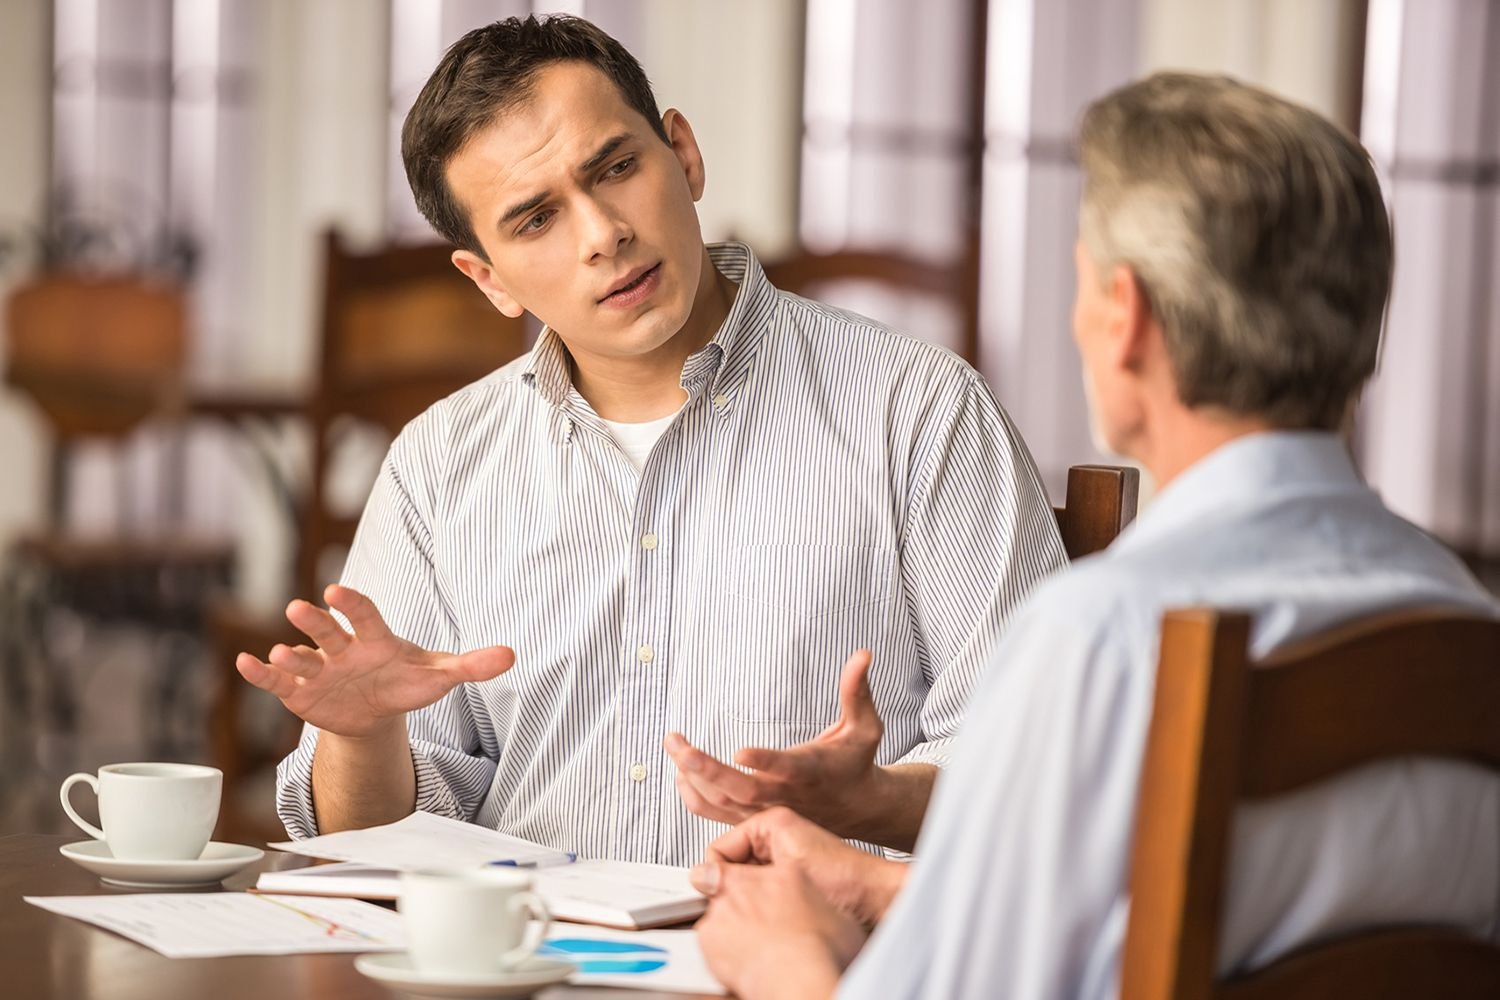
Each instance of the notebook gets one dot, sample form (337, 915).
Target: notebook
(623, 894)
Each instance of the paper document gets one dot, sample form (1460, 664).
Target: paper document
(614, 893)
(423, 841)
(214, 924)
(670, 961)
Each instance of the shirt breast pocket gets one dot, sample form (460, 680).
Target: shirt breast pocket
(794, 614)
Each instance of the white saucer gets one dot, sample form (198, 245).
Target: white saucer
(217, 862)
(395, 970)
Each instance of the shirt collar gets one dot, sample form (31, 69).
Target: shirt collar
(1254, 468)
(719, 366)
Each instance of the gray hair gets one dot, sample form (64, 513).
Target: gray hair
(1257, 232)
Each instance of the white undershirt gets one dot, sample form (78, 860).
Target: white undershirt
(636, 440)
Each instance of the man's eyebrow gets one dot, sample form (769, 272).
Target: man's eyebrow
(609, 147)
(523, 207)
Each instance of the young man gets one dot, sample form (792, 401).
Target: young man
(1233, 266)
(679, 513)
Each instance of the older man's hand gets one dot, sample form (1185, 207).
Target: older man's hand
(857, 883)
(769, 933)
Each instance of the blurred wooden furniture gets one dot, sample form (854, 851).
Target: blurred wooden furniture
(957, 286)
(99, 357)
(50, 957)
(1101, 501)
(1412, 683)
(401, 328)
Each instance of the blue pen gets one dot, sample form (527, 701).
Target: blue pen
(513, 863)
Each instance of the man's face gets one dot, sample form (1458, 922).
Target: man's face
(586, 215)
(1092, 316)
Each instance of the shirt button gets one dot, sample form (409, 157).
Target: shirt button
(637, 772)
(648, 541)
(645, 654)
(721, 401)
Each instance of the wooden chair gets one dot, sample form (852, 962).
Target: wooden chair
(100, 357)
(1101, 501)
(401, 328)
(1401, 684)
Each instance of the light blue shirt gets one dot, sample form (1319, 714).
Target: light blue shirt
(1019, 890)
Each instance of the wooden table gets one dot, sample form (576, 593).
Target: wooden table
(44, 956)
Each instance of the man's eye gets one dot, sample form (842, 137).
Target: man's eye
(620, 168)
(536, 222)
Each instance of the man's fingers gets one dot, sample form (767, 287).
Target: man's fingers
(699, 805)
(320, 626)
(856, 701)
(735, 847)
(705, 877)
(722, 783)
(480, 664)
(302, 661)
(265, 676)
(779, 764)
(360, 611)
(710, 801)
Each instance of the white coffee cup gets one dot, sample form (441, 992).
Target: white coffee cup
(471, 922)
(151, 812)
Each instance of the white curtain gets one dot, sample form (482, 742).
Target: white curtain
(888, 123)
(1046, 60)
(1431, 426)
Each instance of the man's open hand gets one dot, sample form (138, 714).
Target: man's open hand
(351, 684)
(831, 779)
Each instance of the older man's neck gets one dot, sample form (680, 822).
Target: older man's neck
(1180, 438)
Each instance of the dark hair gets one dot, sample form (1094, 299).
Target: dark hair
(482, 74)
(1257, 229)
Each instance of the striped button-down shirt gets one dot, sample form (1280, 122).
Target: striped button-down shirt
(828, 486)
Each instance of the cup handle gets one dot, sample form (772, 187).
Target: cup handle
(84, 825)
(536, 933)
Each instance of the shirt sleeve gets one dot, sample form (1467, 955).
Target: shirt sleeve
(391, 562)
(979, 535)
(1018, 888)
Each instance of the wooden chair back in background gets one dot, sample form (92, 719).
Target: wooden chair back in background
(1101, 501)
(1403, 684)
(401, 328)
(954, 286)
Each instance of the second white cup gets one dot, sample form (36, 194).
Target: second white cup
(471, 922)
(151, 812)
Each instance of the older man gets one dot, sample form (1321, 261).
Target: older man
(1233, 265)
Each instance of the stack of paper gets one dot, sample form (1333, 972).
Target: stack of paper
(612, 893)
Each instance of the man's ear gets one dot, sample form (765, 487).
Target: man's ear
(685, 148)
(1131, 322)
(479, 271)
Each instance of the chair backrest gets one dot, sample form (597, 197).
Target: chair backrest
(906, 278)
(1411, 683)
(1101, 501)
(402, 328)
(97, 355)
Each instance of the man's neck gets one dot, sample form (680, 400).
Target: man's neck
(639, 389)
(1180, 438)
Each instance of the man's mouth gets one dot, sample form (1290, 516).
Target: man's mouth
(632, 286)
